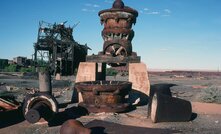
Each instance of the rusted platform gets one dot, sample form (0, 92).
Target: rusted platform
(110, 59)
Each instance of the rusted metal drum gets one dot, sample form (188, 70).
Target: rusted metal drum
(165, 108)
(104, 96)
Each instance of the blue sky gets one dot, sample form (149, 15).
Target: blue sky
(169, 34)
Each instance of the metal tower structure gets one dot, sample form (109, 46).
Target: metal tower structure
(56, 48)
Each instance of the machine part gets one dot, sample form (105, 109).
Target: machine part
(8, 103)
(118, 48)
(117, 33)
(45, 82)
(115, 108)
(165, 108)
(159, 89)
(74, 127)
(104, 96)
(114, 61)
(39, 105)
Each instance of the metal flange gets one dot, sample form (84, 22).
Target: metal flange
(39, 105)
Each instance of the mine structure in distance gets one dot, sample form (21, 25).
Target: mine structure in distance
(56, 48)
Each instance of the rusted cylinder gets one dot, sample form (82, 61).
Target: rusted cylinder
(38, 111)
(165, 108)
(39, 105)
(74, 127)
(45, 82)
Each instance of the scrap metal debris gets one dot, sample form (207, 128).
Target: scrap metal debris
(8, 103)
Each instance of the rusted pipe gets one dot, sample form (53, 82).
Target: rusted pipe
(45, 82)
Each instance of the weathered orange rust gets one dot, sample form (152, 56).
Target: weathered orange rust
(117, 32)
(104, 96)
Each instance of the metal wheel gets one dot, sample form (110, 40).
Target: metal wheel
(115, 50)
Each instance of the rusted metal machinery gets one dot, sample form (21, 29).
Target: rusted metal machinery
(117, 32)
(104, 96)
(109, 96)
(165, 108)
(57, 49)
(41, 104)
(117, 35)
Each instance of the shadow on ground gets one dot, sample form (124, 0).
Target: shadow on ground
(11, 118)
(69, 113)
(103, 127)
(138, 98)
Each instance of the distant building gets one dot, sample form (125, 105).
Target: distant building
(21, 61)
(10, 62)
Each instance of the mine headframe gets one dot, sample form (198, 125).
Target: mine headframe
(56, 48)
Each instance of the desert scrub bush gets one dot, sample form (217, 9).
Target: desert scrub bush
(111, 72)
(29, 69)
(211, 94)
(11, 68)
(207, 84)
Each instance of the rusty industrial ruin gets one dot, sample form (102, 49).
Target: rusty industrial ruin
(109, 96)
(41, 104)
(57, 49)
(56, 52)
(117, 35)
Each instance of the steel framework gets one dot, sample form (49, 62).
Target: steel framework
(57, 49)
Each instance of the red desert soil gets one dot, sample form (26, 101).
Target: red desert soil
(206, 108)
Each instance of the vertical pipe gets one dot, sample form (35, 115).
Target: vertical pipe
(45, 82)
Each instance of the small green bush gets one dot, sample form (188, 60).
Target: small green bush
(29, 69)
(111, 72)
(11, 68)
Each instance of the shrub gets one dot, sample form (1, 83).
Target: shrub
(211, 95)
(25, 70)
(111, 72)
(11, 68)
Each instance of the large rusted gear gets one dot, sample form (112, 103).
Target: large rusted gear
(118, 48)
(39, 105)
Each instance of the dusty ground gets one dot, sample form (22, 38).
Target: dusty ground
(197, 90)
